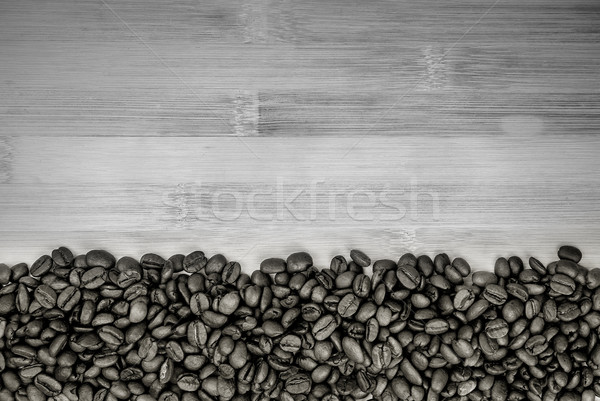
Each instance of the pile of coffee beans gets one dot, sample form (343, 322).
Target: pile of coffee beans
(92, 328)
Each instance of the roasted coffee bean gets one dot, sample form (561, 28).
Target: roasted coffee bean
(571, 253)
(483, 278)
(348, 305)
(68, 298)
(496, 328)
(298, 384)
(100, 258)
(231, 272)
(495, 294)
(45, 295)
(298, 262)
(361, 285)
(47, 385)
(414, 329)
(94, 277)
(518, 291)
(513, 310)
(273, 265)
(408, 276)
(62, 257)
(563, 284)
(324, 327)
(463, 299)
(194, 262)
(437, 326)
(477, 309)
(360, 258)
(41, 266)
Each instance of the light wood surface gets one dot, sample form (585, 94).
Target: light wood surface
(259, 128)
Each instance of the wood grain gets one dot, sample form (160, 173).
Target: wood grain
(258, 128)
(477, 198)
(266, 68)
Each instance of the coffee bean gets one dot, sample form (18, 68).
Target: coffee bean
(94, 277)
(100, 258)
(417, 328)
(463, 299)
(41, 266)
(483, 278)
(568, 252)
(188, 382)
(231, 272)
(495, 294)
(353, 350)
(299, 384)
(348, 305)
(273, 265)
(477, 309)
(360, 258)
(496, 328)
(68, 298)
(436, 326)
(513, 310)
(324, 327)
(62, 257)
(194, 262)
(408, 276)
(563, 284)
(361, 285)
(47, 385)
(298, 262)
(45, 295)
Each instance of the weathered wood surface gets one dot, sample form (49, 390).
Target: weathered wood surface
(256, 128)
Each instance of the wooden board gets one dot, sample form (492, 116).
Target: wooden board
(258, 128)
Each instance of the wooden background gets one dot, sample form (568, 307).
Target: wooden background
(258, 128)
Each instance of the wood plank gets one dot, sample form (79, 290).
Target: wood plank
(264, 68)
(478, 198)
(484, 160)
(69, 207)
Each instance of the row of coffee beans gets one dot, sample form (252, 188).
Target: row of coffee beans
(92, 328)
